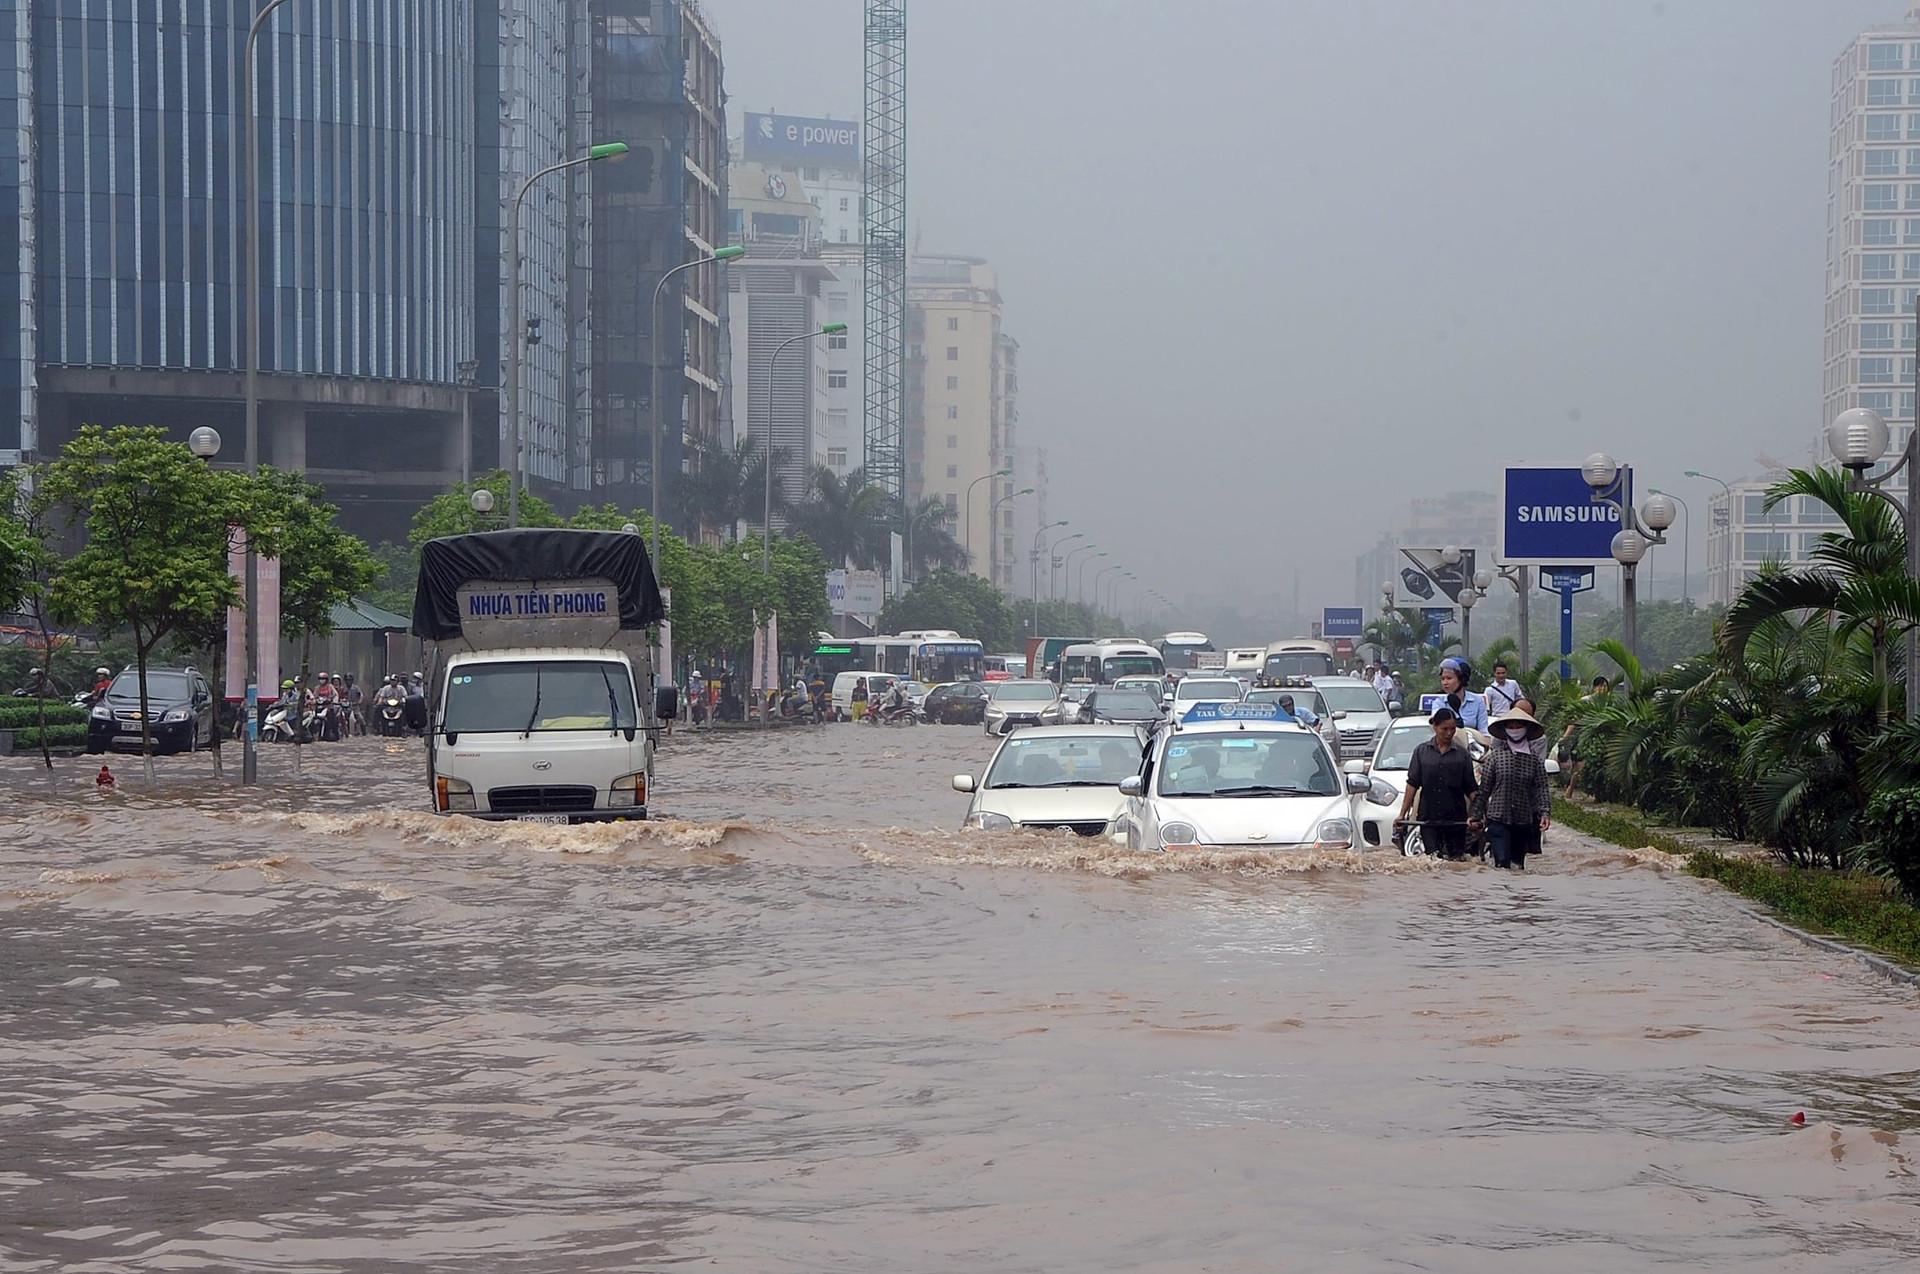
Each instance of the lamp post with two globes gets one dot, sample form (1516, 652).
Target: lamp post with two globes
(1858, 439)
(1639, 531)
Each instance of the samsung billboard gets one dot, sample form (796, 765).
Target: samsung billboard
(828, 143)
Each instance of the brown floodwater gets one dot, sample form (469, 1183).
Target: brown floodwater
(805, 1024)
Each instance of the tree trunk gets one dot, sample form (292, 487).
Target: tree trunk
(46, 676)
(1880, 673)
(219, 680)
(146, 726)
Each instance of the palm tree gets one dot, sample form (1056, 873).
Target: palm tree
(727, 485)
(932, 538)
(845, 517)
(1859, 576)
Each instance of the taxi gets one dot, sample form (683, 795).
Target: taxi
(1239, 776)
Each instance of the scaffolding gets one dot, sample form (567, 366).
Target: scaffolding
(885, 171)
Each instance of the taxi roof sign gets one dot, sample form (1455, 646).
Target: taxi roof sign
(1209, 711)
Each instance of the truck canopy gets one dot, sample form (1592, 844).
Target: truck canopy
(535, 586)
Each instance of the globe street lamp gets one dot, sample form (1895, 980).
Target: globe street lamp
(728, 253)
(1858, 439)
(1467, 599)
(1639, 532)
(1686, 538)
(204, 442)
(516, 339)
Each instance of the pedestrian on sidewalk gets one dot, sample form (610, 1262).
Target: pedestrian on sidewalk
(1513, 802)
(1503, 692)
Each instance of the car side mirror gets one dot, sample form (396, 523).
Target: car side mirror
(1355, 766)
(666, 703)
(1131, 785)
(963, 783)
(1166, 696)
(1359, 784)
(1341, 715)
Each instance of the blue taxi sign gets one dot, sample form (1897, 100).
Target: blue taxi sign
(1233, 712)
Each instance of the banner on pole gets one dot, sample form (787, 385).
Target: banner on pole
(267, 632)
(236, 667)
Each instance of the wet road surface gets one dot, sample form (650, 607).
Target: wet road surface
(803, 1024)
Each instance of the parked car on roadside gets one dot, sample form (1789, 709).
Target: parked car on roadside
(179, 712)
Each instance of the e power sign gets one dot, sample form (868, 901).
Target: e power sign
(1548, 517)
(830, 143)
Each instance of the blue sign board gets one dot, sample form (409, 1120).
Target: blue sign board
(1548, 517)
(1439, 617)
(828, 143)
(1342, 621)
(1429, 702)
(1566, 581)
(1205, 711)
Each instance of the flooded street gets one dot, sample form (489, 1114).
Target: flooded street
(803, 1024)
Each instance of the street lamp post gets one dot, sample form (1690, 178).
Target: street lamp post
(1639, 532)
(1686, 538)
(1858, 439)
(728, 253)
(1726, 491)
(1055, 561)
(1079, 592)
(1034, 560)
(766, 458)
(1100, 579)
(1066, 566)
(1467, 598)
(517, 473)
(993, 514)
(966, 516)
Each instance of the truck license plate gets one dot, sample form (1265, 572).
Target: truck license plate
(555, 819)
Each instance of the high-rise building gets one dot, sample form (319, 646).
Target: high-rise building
(1873, 227)
(122, 240)
(1743, 534)
(961, 382)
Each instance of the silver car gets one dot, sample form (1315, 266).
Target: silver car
(1054, 777)
(1065, 709)
(1016, 703)
(1366, 716)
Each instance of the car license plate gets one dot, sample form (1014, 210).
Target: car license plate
(559, 820)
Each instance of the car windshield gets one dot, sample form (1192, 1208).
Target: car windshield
(1147, 685)
(1074, 694)
(160, 685)
(1196, 688)
(540, 694)
(1306, 699)
(1298, 663)
(1242, 764)
(1022, 692)
(1129, 665)
(1126, 703)
(1396, 750)
(1038, 761)
(1353, 698)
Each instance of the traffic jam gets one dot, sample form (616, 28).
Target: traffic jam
(1173, 745)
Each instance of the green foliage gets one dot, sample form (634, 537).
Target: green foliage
(21, 713)
(845, 517)
(964, 603)
(452, 513)
(66, 735)
(726, 485)
(931, 541)
(1891, 849)
(1067, 619)
(399, 571)
(321, 566)
(20, 548)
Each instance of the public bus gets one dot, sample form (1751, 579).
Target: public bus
(832, 656)
(1101, 661)
(926, 655)
(1177, 651)
(1297, 657)
(885, 654)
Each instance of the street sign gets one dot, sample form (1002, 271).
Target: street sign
(1566, 581)
(1423, 579)
(1342, 621)
(1548, 517)
(1439, 617)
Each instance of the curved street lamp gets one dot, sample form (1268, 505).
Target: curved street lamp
(1054, 563)
(766, 458)
(966, 513)
(728, 253)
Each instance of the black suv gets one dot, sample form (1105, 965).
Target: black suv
(179, 701)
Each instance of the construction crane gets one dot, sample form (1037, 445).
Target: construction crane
(885, 232)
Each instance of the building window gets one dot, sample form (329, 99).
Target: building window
(1876, 267)
(843, 203)
(953, 440)
(844, 237)
(835, 380)
(953, 503)
(1880, 232)
(1764, 546)
(1883, 92)
(1883, 161)
(809, 174)
(953, 323)
(1880, 57)
(953, 353)
(1876, 300)
(1876, 335)
(953, 413)
(1875, 371)
(837, 305)
(953, 382)
(836, 340)
(836, 457)
(1883, 128)
(1882, 197)
(953, 471)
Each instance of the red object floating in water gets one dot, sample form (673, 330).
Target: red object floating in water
(105, 777)
(1799, 1119)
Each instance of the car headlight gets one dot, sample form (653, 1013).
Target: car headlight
(452, 795)
(1381, 793)
(175, 717)
(629, 791)
(1334, 833)
(1179, 834)
(985, 821)
(101, 712)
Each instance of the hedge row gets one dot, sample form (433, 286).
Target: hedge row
(17, 714)
(27, 739)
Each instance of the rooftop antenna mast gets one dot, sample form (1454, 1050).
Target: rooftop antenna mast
(885, 173)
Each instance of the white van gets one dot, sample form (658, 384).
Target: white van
(841, 697)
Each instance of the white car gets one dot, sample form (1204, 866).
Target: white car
(1054, 776)
(1236, 776)
(1365, 713)
(1388, 772)
(1016, 703)
(1193, 690)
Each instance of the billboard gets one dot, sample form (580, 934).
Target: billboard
(855, 592)
(1342, 621)
(829, 143)
(1439, 617)
(1422, 579)
(1548, 517)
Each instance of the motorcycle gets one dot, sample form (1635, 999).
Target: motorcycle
(281, 725)
(391, 709)
(888, 714)
(328, 722)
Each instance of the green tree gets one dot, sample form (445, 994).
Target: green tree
(800, 578)
(159, 527)
(321, 566)
(845, 517)
(452, 513)
(726, 485)
(932, 541)
(964, 603)
(26, 566)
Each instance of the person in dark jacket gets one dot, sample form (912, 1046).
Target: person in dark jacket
(1440, 783)
(1514, 801)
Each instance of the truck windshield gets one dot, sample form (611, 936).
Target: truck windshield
(540, 694)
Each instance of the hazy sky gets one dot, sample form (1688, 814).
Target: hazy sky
(1277, 265)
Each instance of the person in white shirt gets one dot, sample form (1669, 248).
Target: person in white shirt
(1503, 692)
(1382, 681)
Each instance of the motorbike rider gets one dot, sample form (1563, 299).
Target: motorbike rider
(896, 702)
(102, 679)
(38, 686)
(355, 700)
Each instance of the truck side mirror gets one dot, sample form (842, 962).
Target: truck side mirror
(666, 702)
